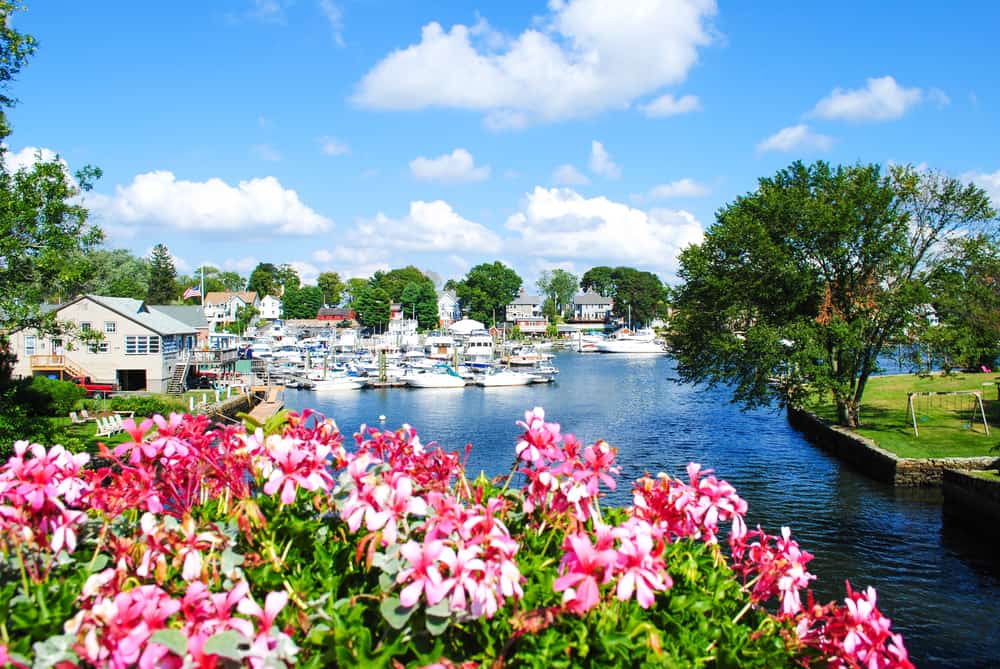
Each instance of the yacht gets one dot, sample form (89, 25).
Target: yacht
(504, 377)
(437, 377)
(333, 380)
(439, 346)
(478, 347)
(643, 342)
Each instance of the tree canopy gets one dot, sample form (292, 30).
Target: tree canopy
(331, 286)
(559, 286)
(394, 281)
(802, 283)
(420, 299)
(373, 306)
(599, 279)
(162, 277)
(487, 289)
(302, 301)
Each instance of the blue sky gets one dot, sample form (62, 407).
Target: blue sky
(355, 135)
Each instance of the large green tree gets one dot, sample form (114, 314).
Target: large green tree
(639, 297)
(373, 307)
(263, 280)
(487, 289)
(420, 298)
(961, 327)
(352, 291)
(115, 273)
(394, 281)
(162, 277)
(331, 286)
(599, 279)
(559, 286)
(302, 301)
(802, 283)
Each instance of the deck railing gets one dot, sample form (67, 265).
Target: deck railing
(215, 357)
(47, 361)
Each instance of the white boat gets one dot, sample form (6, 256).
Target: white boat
(641, 342)
(527, 356)
(333, 380)
(439, 346)
(438, 377)
(504, 377)
(587, 343)
(478, 347)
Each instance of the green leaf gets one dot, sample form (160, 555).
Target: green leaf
(174, 640)
(395, 613)
(229, 644)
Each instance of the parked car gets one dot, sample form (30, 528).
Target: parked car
(94, 389)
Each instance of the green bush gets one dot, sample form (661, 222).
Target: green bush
(58, 397)
(146, 405)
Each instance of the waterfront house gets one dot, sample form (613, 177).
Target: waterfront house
(448, 308)
(192, 315)
(524, 306)
(221, 307)
(531, 325)
(592, 307)
(140, 347)
(270, 308)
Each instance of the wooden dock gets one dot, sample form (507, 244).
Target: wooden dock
(269, 405)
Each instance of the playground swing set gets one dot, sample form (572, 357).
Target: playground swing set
(955, 400)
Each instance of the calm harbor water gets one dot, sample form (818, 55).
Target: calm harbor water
(939, 584)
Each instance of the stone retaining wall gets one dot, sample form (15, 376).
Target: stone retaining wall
(970, 500)
(876, 462)
(230, 407)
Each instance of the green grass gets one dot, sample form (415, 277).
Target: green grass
(987, 474)
(948, 425)
(86, 433)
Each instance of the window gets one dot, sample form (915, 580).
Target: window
(99, 347)
(141, 344)
(29, 344)
(109, 327)
(84, 326)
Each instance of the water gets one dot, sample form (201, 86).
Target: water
(940, 585)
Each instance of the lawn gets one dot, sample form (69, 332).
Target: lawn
(949, 426)
(86, 433)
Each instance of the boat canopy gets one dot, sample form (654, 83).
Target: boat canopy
(465, 326)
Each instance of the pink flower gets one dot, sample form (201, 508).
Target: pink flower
(640, 568)
(584, 569)
(292, 463)
(422, 572)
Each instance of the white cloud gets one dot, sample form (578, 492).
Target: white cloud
(560, 224)
(581, 58)
(243, 265)
(429, 226)
(794, 138)
(881, 100)
(270, 11)
(667, 105)
(601, 163)
(331, 146)
(27, 157)
(266, 152)
(307, 271)
(455, 167)
(567, 175)
(159, 199)
(685, 187)
(181, 265)
(353, 261)
(335, 17)
(988, 182)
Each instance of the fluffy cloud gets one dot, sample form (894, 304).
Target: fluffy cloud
(560, 224)
(27, 157)
(567, 175)
(333, 147)
(988, 182)
(354, 261)
(307, 271)
(160, 199)
(685, 187)
(794, 138)
(667, 105)
(583, 57)
(455, 167)
(881, 100)
(601, 163)
(430, 227)
(243, 265)
(335, 17)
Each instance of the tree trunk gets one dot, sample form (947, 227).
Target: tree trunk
(847, 413)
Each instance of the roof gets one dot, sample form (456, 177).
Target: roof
(449, 294)
(465, 326)
(137, 311)
(591, 298)
(192, 315)
(526, 299)
(223, 296)
(336, 311)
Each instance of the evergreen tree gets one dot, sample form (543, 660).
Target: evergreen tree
(162, 277)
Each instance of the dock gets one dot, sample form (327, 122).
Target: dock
(269, 405)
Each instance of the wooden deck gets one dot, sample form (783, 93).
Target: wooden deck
(270, 405)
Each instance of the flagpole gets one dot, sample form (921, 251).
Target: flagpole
(203, 284)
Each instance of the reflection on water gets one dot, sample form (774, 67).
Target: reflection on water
(939, 585)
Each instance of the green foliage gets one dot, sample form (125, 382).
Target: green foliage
(145, 406)
(802, 283)
(16, 48)
(421, 298)
(244, 317)
(353, 290)
(302, 302)
(331, 286)
(162, 277)
(114, 273)
(373, 307)
(58, 398)
(27, 404)
(599, 280)
(559, 286)
(394, 282)
(487, 290)
(638, 295)
(263, 280)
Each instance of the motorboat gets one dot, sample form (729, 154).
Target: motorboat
(478, 347)
(527, 356)
(333, 380)
(436, 377)
(543, 373)
(504, 377)
(439, 346)
(641, 342)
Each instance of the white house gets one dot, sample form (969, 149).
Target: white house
(524, 306)
(140, 347)
(270, 308)
(591, 306)
(221, 307)
(448, 310)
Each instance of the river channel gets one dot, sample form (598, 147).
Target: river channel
(940, 585)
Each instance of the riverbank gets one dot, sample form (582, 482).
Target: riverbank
(878, 463)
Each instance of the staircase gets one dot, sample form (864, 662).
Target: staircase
(178, 378)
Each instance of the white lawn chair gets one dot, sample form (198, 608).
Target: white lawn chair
(85, 415)
(75, 420)
(104, 427)
(116, 424)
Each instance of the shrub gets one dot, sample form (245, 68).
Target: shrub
(203, 547)
(146, 405)
(61, 397)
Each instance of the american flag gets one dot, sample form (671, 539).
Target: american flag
(193, 291)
